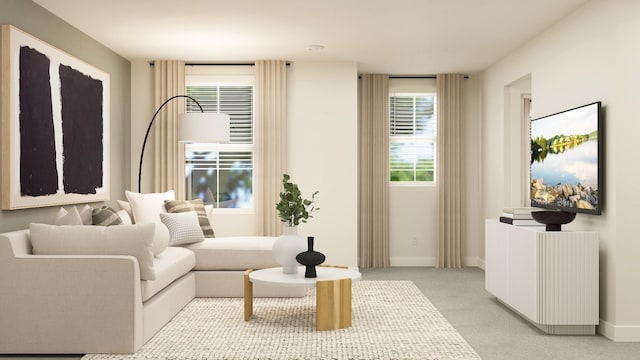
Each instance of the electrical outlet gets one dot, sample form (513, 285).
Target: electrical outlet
(414, 241)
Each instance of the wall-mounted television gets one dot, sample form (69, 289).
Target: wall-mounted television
(567, 160)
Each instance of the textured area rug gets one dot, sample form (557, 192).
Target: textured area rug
(391, 320)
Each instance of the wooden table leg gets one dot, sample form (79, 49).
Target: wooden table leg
(333, 304)
(248, 296)
(334, 266)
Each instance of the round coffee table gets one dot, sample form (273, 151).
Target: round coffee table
(333, 292)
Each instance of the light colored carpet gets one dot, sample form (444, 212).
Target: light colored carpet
(391, 320)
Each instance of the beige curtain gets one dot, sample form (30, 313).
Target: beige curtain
(169, 81)
(450, 171)
(373, 176)
(270, 138)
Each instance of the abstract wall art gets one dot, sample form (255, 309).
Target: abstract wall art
(55, 125)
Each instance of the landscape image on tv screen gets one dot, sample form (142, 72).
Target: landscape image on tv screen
(565, 160)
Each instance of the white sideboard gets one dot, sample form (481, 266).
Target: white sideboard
(548, 277)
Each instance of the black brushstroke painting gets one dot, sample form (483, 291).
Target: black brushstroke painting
(38, 173)
(81, 97)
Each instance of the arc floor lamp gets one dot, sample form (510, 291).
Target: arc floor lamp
(192, 127)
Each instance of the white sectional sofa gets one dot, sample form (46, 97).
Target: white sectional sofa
(76, 304)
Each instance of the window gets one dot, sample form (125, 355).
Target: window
(222, 174)
(412, 141)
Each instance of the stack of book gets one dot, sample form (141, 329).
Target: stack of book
(519, 216)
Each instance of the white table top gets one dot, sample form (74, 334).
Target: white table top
(275, 276)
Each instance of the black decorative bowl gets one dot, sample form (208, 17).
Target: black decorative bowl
(553, 219)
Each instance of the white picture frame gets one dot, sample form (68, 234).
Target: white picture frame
(75, 129)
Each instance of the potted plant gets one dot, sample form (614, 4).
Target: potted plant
(292, 208)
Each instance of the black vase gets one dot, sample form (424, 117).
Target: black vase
(310, 259)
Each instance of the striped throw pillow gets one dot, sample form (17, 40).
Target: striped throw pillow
(105, 216)
(180, 206)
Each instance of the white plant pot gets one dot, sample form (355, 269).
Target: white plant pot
(286, 247)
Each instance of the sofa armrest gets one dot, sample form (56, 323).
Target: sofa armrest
(69, 304)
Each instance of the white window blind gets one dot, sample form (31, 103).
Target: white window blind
(412, 131)
(234, 100)
(222, 174)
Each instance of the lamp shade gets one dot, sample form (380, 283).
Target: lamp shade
(203, 127)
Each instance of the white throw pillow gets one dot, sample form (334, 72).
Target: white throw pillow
(209, 210)
(184, 228)
(70, 217)
(161, 238)
(86, 214)
(133, 240)
(148, 207)
(124, 205)
(125, 217)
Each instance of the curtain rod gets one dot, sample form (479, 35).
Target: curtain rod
(413, 76)
(417, 76)
(152, 63)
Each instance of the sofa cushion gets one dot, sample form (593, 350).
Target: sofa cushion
(147, 207)
(172, 264)
(133, 240)
(234, 253)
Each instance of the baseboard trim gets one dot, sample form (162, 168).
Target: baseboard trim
(471, 262)
(619, 333)
(481, 264)
(431, 262)
(413, 261)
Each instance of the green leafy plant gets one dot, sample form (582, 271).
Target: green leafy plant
(292, 208)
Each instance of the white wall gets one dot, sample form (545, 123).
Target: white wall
(413, 209)
(323, 152)
(589, 56)
(623, 128)
(141, 112)
(412, 225)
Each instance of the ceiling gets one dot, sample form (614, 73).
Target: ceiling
(394, 37)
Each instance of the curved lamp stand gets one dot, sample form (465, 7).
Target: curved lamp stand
(144, 143)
